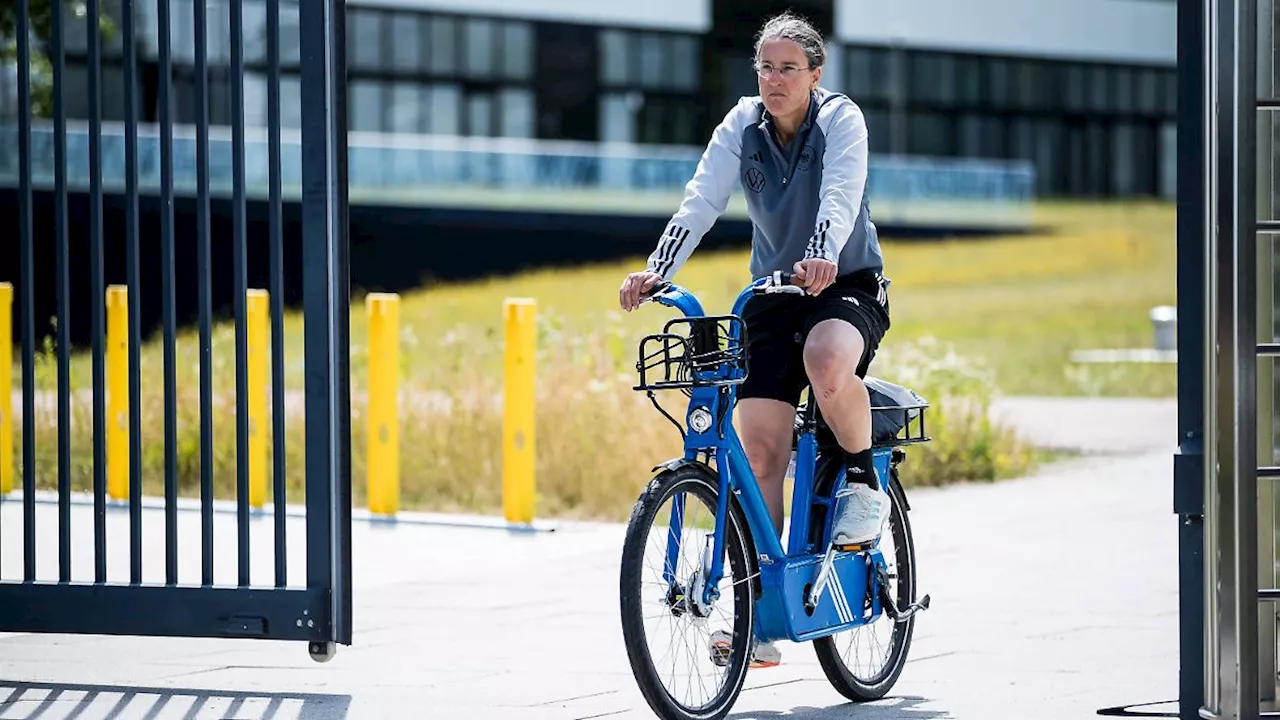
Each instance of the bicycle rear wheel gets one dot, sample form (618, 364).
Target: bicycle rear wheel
(864, 663)
(693, 678)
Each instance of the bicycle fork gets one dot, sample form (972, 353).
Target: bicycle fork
(705, 585)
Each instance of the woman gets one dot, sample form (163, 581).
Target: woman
(801, 154)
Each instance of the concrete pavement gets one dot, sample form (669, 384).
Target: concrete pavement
(1053, 596)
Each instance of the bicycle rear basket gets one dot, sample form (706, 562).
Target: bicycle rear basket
(694, 352)
(897, 413)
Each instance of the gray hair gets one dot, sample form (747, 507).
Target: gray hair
(798, 30)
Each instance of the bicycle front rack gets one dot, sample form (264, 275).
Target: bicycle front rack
(706, 355)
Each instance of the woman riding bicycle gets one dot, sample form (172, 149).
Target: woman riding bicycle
(801, 154)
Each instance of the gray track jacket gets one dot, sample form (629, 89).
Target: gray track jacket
(805, 201)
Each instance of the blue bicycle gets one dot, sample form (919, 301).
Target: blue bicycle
(711, 577)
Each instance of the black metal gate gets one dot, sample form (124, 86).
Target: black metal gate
(67, 170)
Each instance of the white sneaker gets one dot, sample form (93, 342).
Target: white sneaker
(863, 515)
(763, 654)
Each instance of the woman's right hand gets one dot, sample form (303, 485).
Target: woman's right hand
(635, 286)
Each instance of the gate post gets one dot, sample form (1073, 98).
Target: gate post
(325, 281)
(1236, 677)
(1188, 465)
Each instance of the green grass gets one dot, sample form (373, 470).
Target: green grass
(972, 318)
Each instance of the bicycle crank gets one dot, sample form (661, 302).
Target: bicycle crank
(891, 607)
(820, 583)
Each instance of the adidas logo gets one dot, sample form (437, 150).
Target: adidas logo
(856, 470)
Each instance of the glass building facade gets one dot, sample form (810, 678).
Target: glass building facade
(1090, 128)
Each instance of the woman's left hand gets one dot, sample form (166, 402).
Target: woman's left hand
(816, 274)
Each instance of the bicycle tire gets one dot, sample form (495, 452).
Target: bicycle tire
(700, 481)
(826, 648)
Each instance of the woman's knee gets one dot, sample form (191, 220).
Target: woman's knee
(831, 356)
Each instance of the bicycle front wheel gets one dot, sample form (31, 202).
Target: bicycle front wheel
(689, 658)
(865, 662)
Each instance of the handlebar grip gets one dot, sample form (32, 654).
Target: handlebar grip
(655, 291)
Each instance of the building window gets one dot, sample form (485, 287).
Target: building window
(406, 109)
(442, 46)
(366, 106)
(479, 49)
(615, 56)
(867, 75)
(365, 40)
(444, 102)
(408, 35)
(517, 51)
(650, 87)
(516, 112)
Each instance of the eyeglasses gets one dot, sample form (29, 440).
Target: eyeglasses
(788, 72)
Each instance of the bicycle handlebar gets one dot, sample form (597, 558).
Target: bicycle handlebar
(669, 293)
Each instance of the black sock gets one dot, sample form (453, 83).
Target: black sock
(861, 468)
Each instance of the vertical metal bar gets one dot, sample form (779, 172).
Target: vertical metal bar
(1189, 478)
(64, 296)
(1264, 442)
(325, 290)
(278, 498)
(135, 287)
(99, 299)
(204, 263)
(339, 273)
(167, 281)
(1222, 690)
(1244, 239)
(317, 195)
(241, 287)
(27, 240)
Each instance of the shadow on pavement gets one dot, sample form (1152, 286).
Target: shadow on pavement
(34, 700)
(906, 708)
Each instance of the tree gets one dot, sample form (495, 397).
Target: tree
(41, 25)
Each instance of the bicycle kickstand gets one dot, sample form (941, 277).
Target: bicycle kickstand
(891, 607)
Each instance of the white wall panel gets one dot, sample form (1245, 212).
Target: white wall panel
(1119, 30)
(684, 15)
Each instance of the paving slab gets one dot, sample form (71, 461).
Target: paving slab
(1053, 596)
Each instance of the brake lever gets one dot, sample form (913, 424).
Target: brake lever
(657, 291)
(781, 283)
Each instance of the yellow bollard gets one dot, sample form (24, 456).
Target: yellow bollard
(519, 440)
(256, 325)
(382, 438)
(6, 388)
(118, 392)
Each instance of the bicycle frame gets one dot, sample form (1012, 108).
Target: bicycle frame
(720, 438)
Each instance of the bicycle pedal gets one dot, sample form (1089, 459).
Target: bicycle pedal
(860, 547)
(720, 654)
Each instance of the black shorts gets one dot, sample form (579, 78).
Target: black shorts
(777, 325)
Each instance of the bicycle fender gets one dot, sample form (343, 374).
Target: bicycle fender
(902, 492)
(676, 463)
